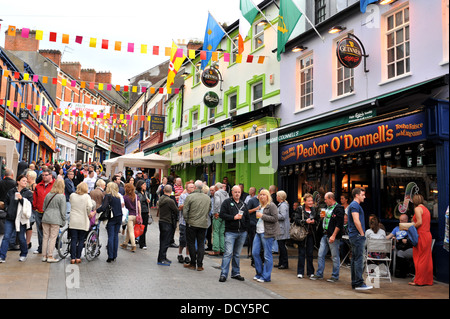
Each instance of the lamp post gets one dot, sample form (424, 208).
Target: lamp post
(8, 85)
(146, 84)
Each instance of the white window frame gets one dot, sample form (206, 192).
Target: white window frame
(194, 124)
(256, 35)
(306, 69)
(234, 50)
(386, 47)
(339, 68)
(258, 100)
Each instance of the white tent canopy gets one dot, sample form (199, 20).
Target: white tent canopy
(137, 160)
(9, 152)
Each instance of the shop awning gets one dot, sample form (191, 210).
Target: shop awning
(9, 152)
(136, 160)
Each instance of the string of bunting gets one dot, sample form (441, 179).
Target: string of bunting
(89, 85)
(132, 47)
(109, 118)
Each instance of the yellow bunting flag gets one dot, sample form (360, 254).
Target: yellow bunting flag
(26, 76)
(143, 48)
(100, 86)
(39, 34)
(63, 82)
(191, 54)
(93, 42)
(134, 89)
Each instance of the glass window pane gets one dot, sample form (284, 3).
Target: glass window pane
(400, 53)
(407, 64)
(406, 15)
(391, 70)
(390, 22)
(399, 36)
(391, 55)
(398, 18)
(340, 75)
(340, 88)
(407, 33)
(400, 67)
(390, 40)
(257, 91)
(407, 49)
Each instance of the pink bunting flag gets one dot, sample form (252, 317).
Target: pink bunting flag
(35, 78)
(73, 83)
(78, 39)
(226, 57)
(25, 32)
(179, 53)
(130, 47)
(177, 91)
(108, 87)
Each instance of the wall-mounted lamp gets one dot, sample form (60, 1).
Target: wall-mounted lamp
(299, 48)
(336, 29)
(262, 23)
(384, 2)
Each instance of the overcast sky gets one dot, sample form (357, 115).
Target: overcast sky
(148, 22)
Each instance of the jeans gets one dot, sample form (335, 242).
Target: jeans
(323, 250)
(10, 231)
(142, 241)
(165, 235)
(306, 248)
(77, 242)
(218, 234)
(38, 220)
(357, 261)
(113, 228)
(196, 235)
(263, 271)
(233, 246)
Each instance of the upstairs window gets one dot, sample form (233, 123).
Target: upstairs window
(397, 43)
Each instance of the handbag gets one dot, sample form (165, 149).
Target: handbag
(105, 215)
(138, 213)
(124, 216)
(150, 219)
(138, 230)
(298, 232)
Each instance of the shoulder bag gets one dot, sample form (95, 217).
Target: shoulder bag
(298, 232)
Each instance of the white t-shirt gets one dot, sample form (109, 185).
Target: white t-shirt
(260, 225)
(380, 235)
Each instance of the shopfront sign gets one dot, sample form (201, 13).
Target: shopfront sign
(47, 138)
(117, 149)
(398, 131)
(349, 53)
(210, 77)
(29, 133)
(157, 123)
(85, 147)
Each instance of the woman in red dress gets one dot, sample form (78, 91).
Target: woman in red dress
(423, 261)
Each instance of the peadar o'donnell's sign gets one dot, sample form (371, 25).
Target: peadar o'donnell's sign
(349, 53)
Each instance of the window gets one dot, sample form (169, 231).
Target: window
(211, 114)
(344, 78)
(234, 50)
(397, 43)
(232, 104)
(197, 73)
(320, 10)
(258, 35)
(194, 120)
(257, 93)
(306, 81)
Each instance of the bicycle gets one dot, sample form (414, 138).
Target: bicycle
(91, 244)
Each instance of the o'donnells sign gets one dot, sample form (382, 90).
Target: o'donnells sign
(349, 53)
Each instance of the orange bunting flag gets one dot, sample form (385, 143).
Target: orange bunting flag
(118, 46)
(65, 38)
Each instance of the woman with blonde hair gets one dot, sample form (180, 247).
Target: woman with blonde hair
(134, 207)
(31, 185)
(53, 218)
(112, 203)
(81, 206)
(267, 228)
(423, 261)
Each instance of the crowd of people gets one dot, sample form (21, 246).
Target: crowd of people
(217, 218)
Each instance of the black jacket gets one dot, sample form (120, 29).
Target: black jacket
(297, 216)
(336, 220)
(228, 210)
(5, 185)
(112, 203)
(11, 203)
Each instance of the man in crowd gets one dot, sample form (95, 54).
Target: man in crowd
(118, 180)
(218, 225)
(182, 225)
(403, 247)
(235, 215)
(90, 179)
(6, 183)
(168, 212)
(69, 189)
(41, 190)
(332, 225)
(195, 212)
(356, 231)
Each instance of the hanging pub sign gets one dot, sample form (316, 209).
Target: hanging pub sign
(210, 77)
(23, 114)
(157, 123)
(349, 53)
(211, 99)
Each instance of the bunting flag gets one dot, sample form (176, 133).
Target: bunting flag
(248, 15)
(174, 65)
(287, 20)
(213, 35)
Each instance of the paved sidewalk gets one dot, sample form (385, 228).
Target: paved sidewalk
(136, 275)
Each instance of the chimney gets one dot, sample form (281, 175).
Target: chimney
(103, 77)
(18, 43)
(87, 75)
(72, 68)
(54, 55)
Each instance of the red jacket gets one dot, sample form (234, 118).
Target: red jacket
(39, 195)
